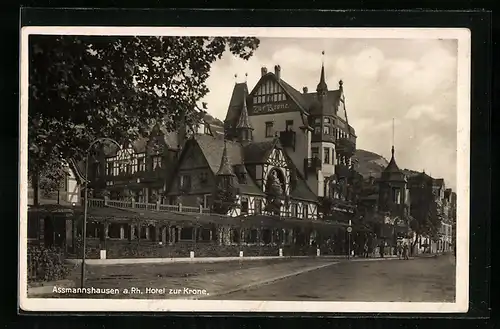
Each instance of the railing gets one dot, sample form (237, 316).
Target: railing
(101, 203)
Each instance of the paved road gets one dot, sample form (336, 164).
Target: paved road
(415, 280)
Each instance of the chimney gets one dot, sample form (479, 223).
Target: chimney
(304, 90)
(263, 71)
(277, 71)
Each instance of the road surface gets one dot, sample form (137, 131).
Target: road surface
(416, 280)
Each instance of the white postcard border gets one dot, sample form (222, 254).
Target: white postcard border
(135, 305)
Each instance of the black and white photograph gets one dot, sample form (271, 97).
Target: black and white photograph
(244, 169)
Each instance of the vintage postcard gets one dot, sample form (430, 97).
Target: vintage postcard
(244, 169)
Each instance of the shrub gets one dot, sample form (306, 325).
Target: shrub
(46, 264)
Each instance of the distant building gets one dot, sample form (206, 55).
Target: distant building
(68, 192)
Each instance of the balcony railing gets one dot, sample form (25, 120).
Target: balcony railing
(101, 203)
(287, 138)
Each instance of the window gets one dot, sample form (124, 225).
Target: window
(317, 121)
(326, 120)
(326, 153)
(187, 233)
(396, 196)
(252, 236)
(109, 168)
(295, 208)
(235, 236)
(244, 205)
(134, 165)
(185, 182)
(314, 152)
(141, 164)
(203, 178)
(326, 130)
(317, 130)
(205, 234)
(242, 177)
(266, 236)
(258, 206)
(114, 231)
(269, 129)
(289, 125)
(304, 211)
(156, 162)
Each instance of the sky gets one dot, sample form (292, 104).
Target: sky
(413, 81)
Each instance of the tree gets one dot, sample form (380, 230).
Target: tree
(85, 87)
(224, 200)
(424, 212)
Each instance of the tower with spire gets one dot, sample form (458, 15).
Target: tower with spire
(322, 88)
(225, 175)
(244, 127)
(393, 186)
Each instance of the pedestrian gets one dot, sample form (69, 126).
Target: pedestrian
(381, 248)
(405, 251)
(365, 250)
(399, 250)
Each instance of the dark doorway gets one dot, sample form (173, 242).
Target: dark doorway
(54, 232)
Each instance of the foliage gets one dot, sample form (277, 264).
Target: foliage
(85, 87)
(224, 200)
(424, 212)
(46, 264)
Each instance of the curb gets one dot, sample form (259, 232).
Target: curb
(184, 260)
(263, 282)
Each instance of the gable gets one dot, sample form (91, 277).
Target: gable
(269, 96)
(193, 158)
(277, 158)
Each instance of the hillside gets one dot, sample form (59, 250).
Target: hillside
(369, 163)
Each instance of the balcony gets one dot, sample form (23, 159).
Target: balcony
(345, 147)
(342, 171)
(287, 139)
(312, 165)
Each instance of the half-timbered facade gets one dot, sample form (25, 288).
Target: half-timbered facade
(262, 172)
(140, 170)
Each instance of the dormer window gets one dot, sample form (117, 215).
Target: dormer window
(156, 162)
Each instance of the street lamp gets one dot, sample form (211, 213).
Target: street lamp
(349, 230)
(84, 238)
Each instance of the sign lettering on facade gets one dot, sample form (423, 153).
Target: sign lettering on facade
(269, 108)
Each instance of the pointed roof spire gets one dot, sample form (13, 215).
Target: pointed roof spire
(392, 149)
(322, 87)
(244, 121)
(392, 167)
(225, 168)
